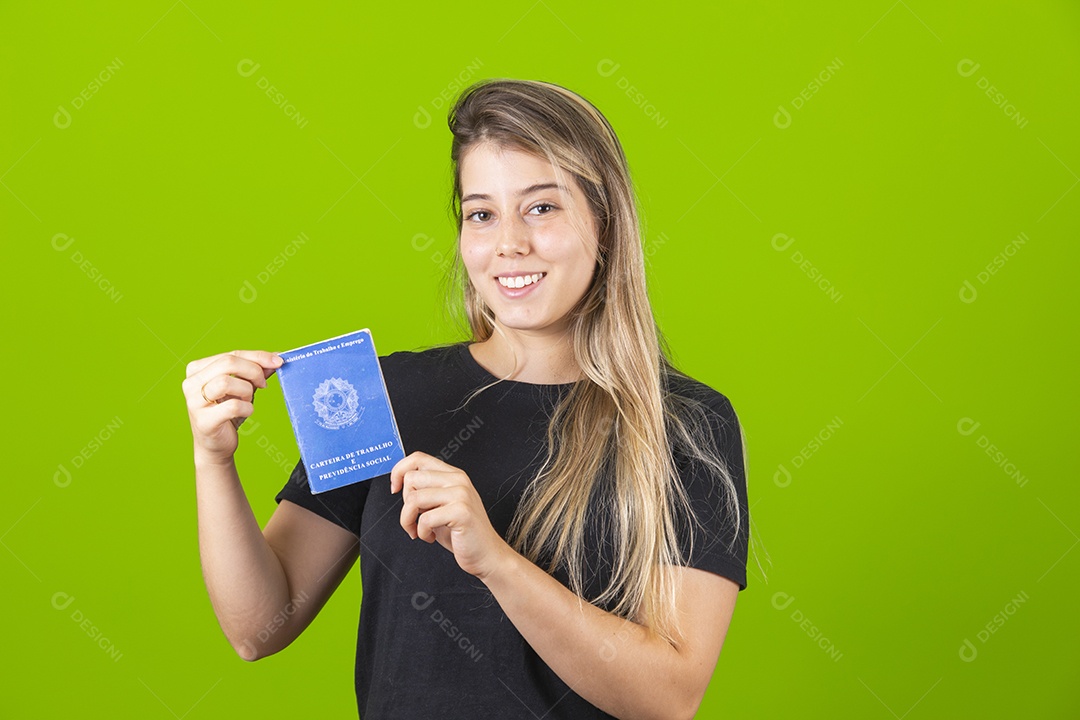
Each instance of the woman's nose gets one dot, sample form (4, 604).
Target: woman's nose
(513, 238)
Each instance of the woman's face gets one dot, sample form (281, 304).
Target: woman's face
(522, 252)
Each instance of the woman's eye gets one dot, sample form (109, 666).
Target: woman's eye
(474, 213)
(544, 205)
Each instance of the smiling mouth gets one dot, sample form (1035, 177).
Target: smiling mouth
(520, 281)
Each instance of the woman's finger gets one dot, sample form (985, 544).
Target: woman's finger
(197, 365)
(416, 461)
(414, 480)
(250, 370)
(223, 387)
(215, 390)
(423, 500)
(209, 418)
(443, 516)
(224, 365)
(267, 360)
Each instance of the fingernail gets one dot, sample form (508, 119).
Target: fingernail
(277, 360)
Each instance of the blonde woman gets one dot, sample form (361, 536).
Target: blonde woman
(568, 535)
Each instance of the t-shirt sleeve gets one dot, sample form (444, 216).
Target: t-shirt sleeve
(720, 539)
(342, 506)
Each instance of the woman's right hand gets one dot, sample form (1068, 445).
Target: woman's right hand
(220, 392)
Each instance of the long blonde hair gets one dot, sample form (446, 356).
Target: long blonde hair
(613, 436)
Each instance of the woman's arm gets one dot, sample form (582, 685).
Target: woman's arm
(616, 664)
(265, 586)
(613, 663)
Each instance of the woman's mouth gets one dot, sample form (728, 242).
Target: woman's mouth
(519, 281)
(518, 285)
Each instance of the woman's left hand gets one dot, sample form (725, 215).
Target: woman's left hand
(440, 503)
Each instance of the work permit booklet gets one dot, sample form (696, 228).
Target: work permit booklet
(340, 411)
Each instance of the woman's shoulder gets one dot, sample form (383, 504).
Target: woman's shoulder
(697, 404)
(422, 354)
(685, 390)
(432, 361)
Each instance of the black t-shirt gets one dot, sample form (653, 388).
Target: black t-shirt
(431, 637)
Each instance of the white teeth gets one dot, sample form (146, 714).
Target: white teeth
(520, 280)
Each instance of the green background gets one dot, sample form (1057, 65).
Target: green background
(894, 538)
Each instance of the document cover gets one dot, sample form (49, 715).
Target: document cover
(340, 411)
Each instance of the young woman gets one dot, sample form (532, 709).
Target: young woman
(568, 534)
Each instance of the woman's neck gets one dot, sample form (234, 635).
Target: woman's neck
(540, 359)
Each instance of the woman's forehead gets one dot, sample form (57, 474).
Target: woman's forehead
(488, 169)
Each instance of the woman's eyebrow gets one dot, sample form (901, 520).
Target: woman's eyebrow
(524, 191)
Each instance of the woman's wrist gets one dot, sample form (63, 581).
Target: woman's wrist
(210, 461)
(504, 563)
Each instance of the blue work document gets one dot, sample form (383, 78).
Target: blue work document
(340, 411)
